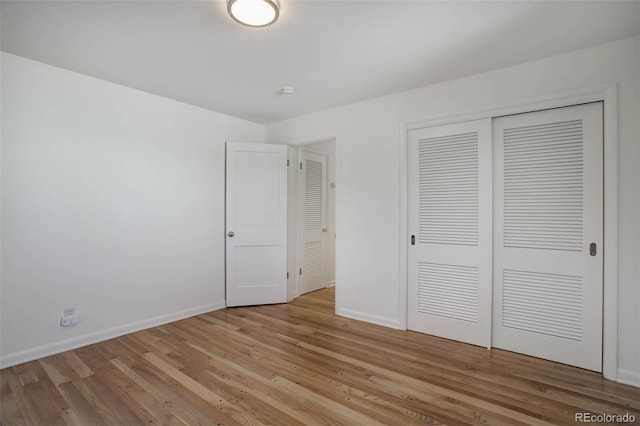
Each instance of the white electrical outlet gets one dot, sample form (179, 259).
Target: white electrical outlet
(69, 311)
(69, 320)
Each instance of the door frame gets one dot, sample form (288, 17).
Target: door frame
(300, 219)
(608, 93)
(293, 255)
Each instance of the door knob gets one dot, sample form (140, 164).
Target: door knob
(324, 229)
(230, 234)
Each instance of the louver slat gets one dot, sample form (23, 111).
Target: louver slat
(312, 259)
(543, 189)
(313, 196)
(448, 291)
(543, 303)
(448, 190)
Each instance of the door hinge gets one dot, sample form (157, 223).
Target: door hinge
(287, 162)
(287, 275)
(300, 271)
(300, 166)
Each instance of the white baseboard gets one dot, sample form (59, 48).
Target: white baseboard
(295, 296)
(374, 319)
(99, 336)
(332, 284)
(628, 377)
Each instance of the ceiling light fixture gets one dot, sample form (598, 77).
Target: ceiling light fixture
(254, 13)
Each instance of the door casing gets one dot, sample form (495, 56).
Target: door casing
(295, 146)
(608, 93)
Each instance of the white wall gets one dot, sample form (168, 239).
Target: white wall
(112, 202)
(368, 265)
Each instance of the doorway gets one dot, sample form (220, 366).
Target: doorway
(312, 203)
(313, 219)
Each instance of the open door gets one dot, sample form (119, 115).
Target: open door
(256, 224)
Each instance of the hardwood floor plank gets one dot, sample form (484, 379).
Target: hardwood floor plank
(186, 406)
(78, 365)
(46, 412)
(10, 413)
(432, 394)
(156, 345)
(456, 379)
(183, 416)
(189, 404)
(56, 376)
(304, 400)
(115, 388)
(83, 411)
(197, 367)
(61, 405)
(316, 361)
(227, 409)
(527, 399)
(299, 364)
(446, 410)
(265, 394)
(299, 371)
(24, 404)
(256, 355)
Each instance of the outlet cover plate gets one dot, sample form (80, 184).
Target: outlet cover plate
(69, 320)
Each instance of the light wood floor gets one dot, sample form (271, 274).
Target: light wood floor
(298, 364)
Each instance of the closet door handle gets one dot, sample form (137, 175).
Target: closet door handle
(593, 249)
(413, 240)
(230, 234)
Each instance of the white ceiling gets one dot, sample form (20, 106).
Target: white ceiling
(332, 52)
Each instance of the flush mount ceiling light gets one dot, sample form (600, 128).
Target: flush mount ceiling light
(254, 13)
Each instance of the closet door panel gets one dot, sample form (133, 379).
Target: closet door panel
(549, 233)
(450, 224)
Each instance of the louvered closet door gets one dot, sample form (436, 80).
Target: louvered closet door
(314, 221)
(449, 293)
(548, 205)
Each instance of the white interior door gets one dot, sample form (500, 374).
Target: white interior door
(449, 270)
(256, 224)
(549, 232)
(313, 270)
